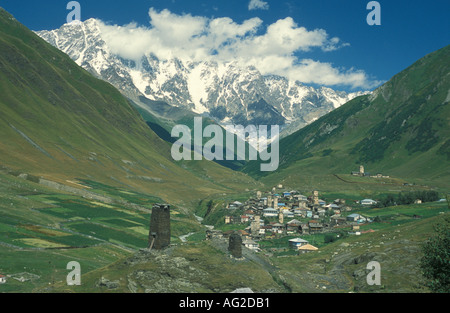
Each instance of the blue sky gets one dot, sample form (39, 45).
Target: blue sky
(409, 30)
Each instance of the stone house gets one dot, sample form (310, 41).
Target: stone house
(250, 244)
(304, 228)
(278, 228)
(244, 218)
(315, 227)
(293, 226)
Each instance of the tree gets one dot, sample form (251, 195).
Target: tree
(388, 201)
(329, 238)
(435, 263)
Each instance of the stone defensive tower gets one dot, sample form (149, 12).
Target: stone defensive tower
(315, 197)
(361, 170)
(281, 217)
(159, 234)
(235, 245)
(256, 225)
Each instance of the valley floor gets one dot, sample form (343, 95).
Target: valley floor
(43, 229)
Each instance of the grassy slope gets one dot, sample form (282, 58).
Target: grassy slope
(163, 126)
(61, 123)
(192, 268)
(26, 222)
(402, 130)
(337, 267)
(341, 266)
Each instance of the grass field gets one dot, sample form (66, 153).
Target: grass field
(46, 230)
(42, 230)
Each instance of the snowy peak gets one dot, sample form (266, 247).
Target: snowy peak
(227, 92)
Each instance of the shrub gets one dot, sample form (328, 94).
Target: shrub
(409, 198)
(435, 263)
(329, 238)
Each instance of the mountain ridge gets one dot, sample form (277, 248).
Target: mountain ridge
(401, 128)
(61, 123)
(225, 92)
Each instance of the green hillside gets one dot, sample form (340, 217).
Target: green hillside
(162, 125)
(61, 123)
(338, 267)
(401, 130)
(80, 169)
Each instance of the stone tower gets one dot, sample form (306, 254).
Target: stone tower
(275, 203)
(159, 234)
(235, 245)
(315, 197)
(361, 170)
(256, 225)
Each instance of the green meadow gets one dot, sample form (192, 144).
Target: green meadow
(42, 230)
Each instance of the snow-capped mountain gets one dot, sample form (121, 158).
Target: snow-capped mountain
(227, 92)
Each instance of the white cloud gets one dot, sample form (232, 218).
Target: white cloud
(258, 4)
(129, 41)
(310, 71)
(273, 50)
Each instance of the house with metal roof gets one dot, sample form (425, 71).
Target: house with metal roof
(270, 212)
(297, 242)
(353, 217)
(368, 202)
(356, 218)
(251, 244)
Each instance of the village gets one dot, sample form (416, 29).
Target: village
(288, 213)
